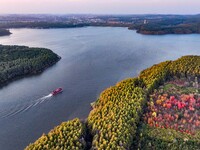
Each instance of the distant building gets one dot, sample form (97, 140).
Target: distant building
(145, 21)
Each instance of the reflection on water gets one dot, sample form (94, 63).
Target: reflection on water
(93, 59)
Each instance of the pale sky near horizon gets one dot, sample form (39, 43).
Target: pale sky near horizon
(100, 6)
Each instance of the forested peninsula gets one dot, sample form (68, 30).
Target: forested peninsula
(18, 61)
(159, 109)
(4, 32)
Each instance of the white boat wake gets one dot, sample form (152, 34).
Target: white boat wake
(20, 108)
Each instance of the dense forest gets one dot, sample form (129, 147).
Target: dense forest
(41, 24)
(169, 25)
(69, 135)
(159, 29)
(4, 32)
(116, 120)
(17, 61)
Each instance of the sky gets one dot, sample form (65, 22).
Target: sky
(100, 6)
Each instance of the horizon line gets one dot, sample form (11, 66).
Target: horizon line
(100, 14)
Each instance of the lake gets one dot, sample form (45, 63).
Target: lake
(93, 58)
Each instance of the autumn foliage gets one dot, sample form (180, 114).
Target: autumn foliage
(171, 118)
(69, 136)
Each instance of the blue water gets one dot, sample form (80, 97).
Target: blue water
(93, 59)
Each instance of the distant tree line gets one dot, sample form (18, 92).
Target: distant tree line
(144, 24)
(169, 26)
(41, 24)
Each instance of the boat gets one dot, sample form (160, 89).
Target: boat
(57, 91)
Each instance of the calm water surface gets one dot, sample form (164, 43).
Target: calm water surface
(93, 59)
